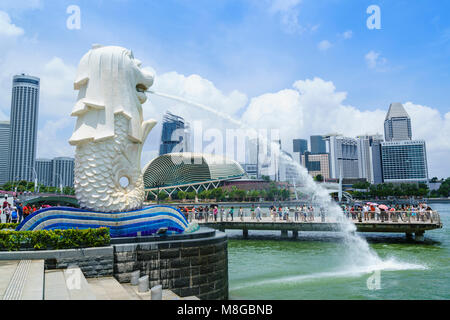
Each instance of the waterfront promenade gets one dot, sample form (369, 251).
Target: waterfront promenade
(408, 225)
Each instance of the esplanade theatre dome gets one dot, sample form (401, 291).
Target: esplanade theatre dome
(185, 168)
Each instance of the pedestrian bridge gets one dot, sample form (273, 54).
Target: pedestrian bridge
(409, 228)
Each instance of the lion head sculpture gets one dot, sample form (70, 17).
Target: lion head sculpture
(110, 82)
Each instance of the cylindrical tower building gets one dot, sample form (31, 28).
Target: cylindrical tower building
(23, 127)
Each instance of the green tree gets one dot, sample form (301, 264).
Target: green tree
(361, 185)
(181, 195)
(162, 196)
(444, 189)
(318, 178)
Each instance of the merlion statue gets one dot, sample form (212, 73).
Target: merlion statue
(110, 130)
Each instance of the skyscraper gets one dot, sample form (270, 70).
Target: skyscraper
(318, 145)
(365, 145)
(404, 161)
(44, 170)
(175, 133)
(55, 172)
(23, 127)
(397, 125)
(62, 171)
(300, 146)
(317, 164)
(343, 155)
(4, 151)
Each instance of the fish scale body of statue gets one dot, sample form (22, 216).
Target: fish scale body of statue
(110, 130)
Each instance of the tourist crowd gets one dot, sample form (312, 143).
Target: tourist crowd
(310, 213)
(16, 212)
(382, 213)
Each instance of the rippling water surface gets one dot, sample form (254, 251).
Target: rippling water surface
(315, 266)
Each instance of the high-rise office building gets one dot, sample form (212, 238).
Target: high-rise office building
(343, 155)
(44, 170)
(404, 161)
(317, 164)
(377, 170)
(318, 145)
(365, 155)
(175, 135)
(23, 127)
(300, 146)
(55, 172)
(397, 125)
(4, 151)
(62, 171)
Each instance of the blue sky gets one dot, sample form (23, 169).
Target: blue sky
(253, 47)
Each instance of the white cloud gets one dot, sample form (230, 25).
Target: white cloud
(58, 95)
(288, 12)
(53, 137)
(324, 45)
(194, 88)
(375, 61)
(7, 28)
(347, 34)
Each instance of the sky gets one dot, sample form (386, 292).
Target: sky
(302, 67)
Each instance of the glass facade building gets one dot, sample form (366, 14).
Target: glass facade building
(53, 172)
(175, 133)
(343, 156)
(4, 151)
(44, 171)
(404, 161)
(23, 127)
(62, 171)
(318, 145)
(397, 125)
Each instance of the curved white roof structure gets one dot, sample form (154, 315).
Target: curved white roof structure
(174, 169)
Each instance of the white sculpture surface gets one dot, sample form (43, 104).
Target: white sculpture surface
(110, 130)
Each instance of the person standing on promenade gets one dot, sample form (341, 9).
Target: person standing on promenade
(5, 203)
(297, 209)
(20, 211)
(377, 213)
(215, 211)
(222, 212)
(206, 213)
(14, 215)
(231, 212)
(286, 214)
(311, 213)
(241, 213)
(365, 209)
(258, 214)
(322, 214)
(273, 213)
(252, 212)
(7, 212)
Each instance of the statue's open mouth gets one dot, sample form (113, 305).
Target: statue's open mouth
(141, 88)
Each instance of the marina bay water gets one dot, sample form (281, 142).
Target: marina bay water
(312, 267)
